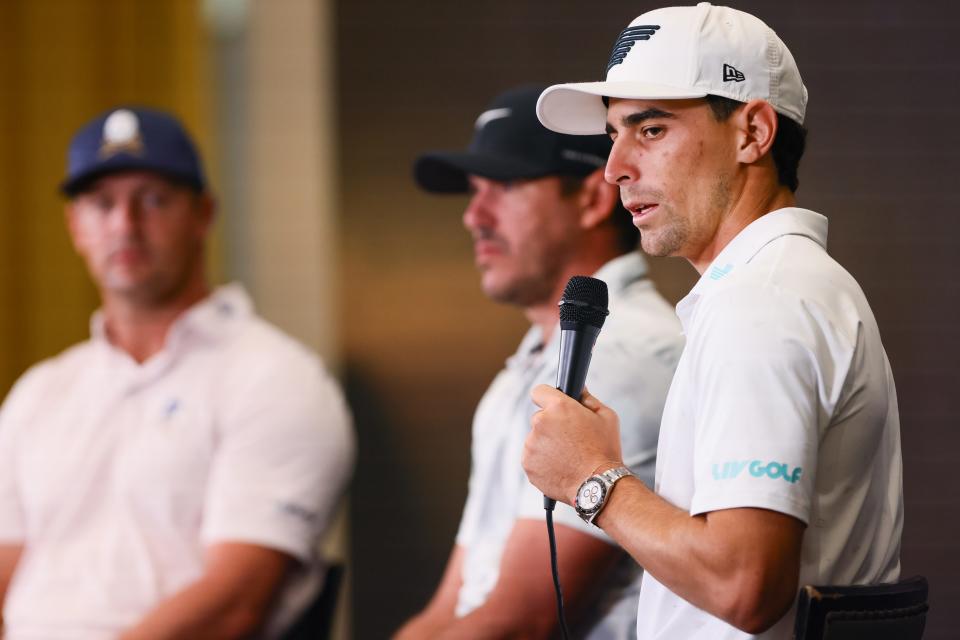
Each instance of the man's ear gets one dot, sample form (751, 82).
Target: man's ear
(206, 207)
(756, 126)
(597, 199)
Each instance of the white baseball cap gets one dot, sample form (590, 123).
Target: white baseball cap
(683, 52)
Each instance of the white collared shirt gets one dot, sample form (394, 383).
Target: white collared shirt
(631, 368)
(783, 400)
(116, 475)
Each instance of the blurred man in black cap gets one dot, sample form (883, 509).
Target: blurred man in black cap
(539, 213)
(170, 476)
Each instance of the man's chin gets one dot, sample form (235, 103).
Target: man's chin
(496, 289)
(518, 294)
(658, 246)
(142, 292)
(125, 285)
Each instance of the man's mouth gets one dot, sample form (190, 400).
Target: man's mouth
(486, 248)
(641, 209)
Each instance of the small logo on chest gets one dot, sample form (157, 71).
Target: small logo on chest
(171, 408)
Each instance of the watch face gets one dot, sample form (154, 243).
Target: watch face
(590, 496)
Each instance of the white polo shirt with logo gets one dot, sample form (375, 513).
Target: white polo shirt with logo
(116, 475)
(631, 369)
(783, 400)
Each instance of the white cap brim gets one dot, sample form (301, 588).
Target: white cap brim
(577, 108)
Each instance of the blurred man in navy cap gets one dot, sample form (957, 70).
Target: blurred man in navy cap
(170, 476)
(539, 213)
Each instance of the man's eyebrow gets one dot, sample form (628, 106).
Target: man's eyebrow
(633, 119)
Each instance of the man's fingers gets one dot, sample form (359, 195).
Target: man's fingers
(546, 396)
(590, 401)
(603, 411)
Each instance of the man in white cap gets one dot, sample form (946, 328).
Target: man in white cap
(779, 455)
(170, 476)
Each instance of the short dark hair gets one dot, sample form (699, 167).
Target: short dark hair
(628, 236)
(788, 145)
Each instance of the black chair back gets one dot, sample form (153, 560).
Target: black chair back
(316, 622)
(895, 611)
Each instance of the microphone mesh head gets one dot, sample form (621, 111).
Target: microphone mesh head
(584, 301)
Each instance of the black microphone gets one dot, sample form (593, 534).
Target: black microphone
(583, 308)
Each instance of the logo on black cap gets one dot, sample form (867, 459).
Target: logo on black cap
(492, 114)
(628, 37)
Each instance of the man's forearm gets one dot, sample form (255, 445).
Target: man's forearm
(485, 623)
(201, 610)
(9, 557)
(737, 564)
(427, 624)
(230, 600)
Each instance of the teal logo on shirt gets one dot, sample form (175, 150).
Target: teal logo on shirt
(757, 469)
(717, 272)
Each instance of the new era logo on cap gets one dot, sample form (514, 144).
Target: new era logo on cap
(729, 73)
(629, 37)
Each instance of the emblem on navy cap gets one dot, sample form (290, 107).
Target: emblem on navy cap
(121, 134)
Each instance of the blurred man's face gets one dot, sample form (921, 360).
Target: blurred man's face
(140, 234)
(523, 234)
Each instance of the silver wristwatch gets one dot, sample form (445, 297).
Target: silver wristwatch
(593, 493)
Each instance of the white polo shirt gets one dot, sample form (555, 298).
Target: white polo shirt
(783, 400)
(117, 475)
(631, 368)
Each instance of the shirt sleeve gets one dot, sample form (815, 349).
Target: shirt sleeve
(758, 361)
(285, 454)
(12, 417)
(467, 529)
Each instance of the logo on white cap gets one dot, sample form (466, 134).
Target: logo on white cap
(121, 133)
(629, 37)
(730, 73)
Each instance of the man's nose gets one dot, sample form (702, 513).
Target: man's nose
(478, 213)
(124, 217)
(621, 163)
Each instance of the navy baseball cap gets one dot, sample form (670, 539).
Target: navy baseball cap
(509, 143)
(132, 138)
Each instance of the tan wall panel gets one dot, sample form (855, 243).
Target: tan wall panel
(64, 61)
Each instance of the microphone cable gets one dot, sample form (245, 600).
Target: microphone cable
(548, 507)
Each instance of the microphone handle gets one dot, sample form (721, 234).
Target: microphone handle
(576, 349)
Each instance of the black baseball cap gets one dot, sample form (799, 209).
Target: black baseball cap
(509, 143)
(132, 138)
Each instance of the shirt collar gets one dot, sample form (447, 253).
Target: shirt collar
(748, 243)
(622, 271)
(207, 317)
(618, 273)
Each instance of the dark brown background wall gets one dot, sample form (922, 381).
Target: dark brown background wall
(422, 343)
